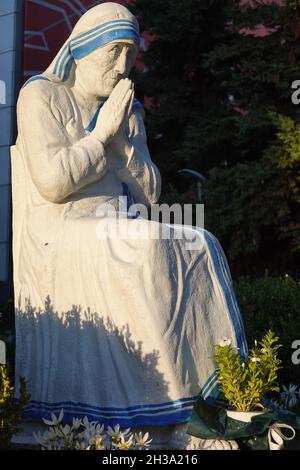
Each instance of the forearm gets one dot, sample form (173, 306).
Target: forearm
(58, 175)
(58, 166)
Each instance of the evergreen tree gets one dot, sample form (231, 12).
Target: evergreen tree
(255, 207)
(183, 31)
(224, 108)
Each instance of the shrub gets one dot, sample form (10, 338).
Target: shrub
(273, 303)
(10, 409)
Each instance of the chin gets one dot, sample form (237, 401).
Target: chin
(105, 92)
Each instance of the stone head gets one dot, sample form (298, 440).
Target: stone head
(100, 51)
(99, 72)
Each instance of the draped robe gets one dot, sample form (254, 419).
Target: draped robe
(119, 330)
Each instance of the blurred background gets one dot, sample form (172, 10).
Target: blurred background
(215, 78)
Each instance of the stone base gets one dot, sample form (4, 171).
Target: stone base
(176, 438)
(164, 438)
(25, 439)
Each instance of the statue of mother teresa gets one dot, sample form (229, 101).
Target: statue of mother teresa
(120, 330)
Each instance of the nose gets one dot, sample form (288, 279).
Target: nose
(121, 64)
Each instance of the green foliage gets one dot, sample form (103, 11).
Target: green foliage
(274, 303)
(262, 197)
(254, 205)
(243, 200)
(245, 383)
(287, 152)
(10, 410)
(198, 59)
(184, 30)
(224, 108)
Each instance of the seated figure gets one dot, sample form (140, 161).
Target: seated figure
(121, 330)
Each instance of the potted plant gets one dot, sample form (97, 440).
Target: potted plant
(245, 382)
(248, 416)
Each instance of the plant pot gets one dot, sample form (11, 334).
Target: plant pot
(244, 416)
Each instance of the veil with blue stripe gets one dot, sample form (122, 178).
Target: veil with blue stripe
(98, 26)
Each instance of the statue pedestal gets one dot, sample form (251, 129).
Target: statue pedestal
(164, 438)
(25, 439)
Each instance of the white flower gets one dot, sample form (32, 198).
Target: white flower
(86, 436)
(264, 350)
(80, 445)
(99, 429)
(76, 423)
(87, 424)
(55, 421)
(97, 443)
(66, 437)
(273, 403)
(291, 389)
(50, 435)
(141, 440)
(224, 342)
(66, 430)
(92, 430)
(292, 402)
(40, 439)
(115, 433)
(289, 397)
(124, 444)
(255, 359)
(47, 439)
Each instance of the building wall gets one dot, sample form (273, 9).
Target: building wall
(11, 45)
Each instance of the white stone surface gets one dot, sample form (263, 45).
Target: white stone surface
(130, 323)
(25, 436)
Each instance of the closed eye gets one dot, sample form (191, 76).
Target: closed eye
(115, 48)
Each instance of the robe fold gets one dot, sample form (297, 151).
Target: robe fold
(118, 330)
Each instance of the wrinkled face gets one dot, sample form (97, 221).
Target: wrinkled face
(100, 71)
